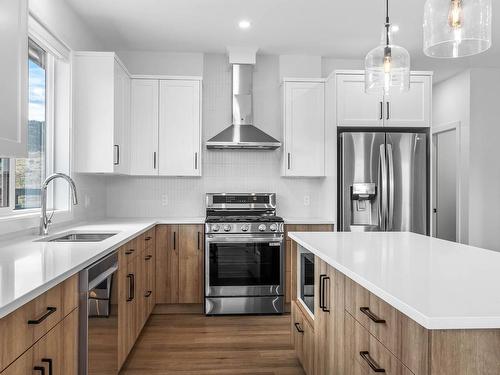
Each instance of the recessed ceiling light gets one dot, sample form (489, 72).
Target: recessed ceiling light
(244, 24)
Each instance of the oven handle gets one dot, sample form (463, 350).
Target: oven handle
(244, 239)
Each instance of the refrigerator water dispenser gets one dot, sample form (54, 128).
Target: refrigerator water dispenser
(363, 204)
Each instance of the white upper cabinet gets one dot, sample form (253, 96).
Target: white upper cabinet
(412, 108)
(180, 128)
(304, 128)
(14, 71)
(357, 108)
(354, 106)
(101, 113)
(144, 129)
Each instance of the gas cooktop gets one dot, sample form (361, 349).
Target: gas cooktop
(243, 219)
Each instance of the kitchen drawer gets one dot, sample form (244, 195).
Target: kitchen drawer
(366, 355)
(23, 327)
(128, 252)
(149, 239)
(406, 339)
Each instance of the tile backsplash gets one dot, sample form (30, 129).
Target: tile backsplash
(226, 171)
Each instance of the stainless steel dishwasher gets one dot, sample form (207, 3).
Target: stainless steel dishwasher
(99, 317)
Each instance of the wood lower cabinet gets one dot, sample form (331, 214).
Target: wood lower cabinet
(328, 319)
(56, 353)
(179, 264)
(303, 337)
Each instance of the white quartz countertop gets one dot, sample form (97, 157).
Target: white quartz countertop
(437, 283)
(29, 268)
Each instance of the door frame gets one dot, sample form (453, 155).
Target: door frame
(435, 131)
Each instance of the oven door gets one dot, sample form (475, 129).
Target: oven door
(244, 265)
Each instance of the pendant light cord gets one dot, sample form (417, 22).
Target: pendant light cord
(387, 22)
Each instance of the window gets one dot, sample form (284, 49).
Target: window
(21, 179)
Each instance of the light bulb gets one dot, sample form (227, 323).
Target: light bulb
(387, 59)
(456, 14)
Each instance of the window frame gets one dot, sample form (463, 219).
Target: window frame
(55, 50)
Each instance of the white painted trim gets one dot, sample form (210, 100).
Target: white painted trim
(357, 72)
(292, 79)
(41, 34)
(166, 77)
(437, 129)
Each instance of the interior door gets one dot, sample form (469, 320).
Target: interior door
(408, 182)
(445, 180)
(360, 163)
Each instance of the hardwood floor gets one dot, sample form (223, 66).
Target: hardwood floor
(196, 344)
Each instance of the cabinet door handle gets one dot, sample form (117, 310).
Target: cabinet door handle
(50, 311)
(117, 150)
(199, 245)
(374, 318)
(297, 327)
(49, 361)
(371, 362)
(388, 114)
(154, 160)
(195, 160)
(289, 161)
(148, 257)
(129, 251)
(321, 294)
(131, 287)
(148, 294)
(175, 242)
(323, 291)
(39, 368)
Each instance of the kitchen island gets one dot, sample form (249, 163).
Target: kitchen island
(411, 303)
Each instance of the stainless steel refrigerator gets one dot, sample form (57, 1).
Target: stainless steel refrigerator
(383, 181)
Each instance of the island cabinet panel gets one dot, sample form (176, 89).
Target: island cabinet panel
(291, 254)
(406, 339)
(328, 320)
(23, 327)
(465, 352)
(179, 264)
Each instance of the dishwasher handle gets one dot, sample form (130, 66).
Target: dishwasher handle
(102, 276)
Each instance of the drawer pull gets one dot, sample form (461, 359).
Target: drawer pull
(148, 293)
(148, 257)
(49, 361)
(324, 279)
(128, 252)
(297, 326)
(148, 238)
(131, 287)
(50, 311)
(371, 362)
(374, 318)
(39, 368)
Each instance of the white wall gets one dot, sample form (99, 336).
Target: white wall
(165, 63)
(300, 66)
(484, 185)
(329, 65)
(225, 171)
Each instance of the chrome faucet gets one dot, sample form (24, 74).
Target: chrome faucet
(44, 219)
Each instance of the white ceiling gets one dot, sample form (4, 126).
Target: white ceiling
(332, 28)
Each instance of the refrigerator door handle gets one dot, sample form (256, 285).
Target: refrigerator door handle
(390, 160)
(382, 183)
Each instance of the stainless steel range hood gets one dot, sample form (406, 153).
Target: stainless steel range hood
(243, 134)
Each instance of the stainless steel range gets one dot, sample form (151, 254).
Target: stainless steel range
(244, 255)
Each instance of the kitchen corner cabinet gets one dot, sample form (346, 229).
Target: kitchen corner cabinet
(304, 128)
(408, 109)
(166, 127)
(179, 264)
(101, 113)
(14, 68)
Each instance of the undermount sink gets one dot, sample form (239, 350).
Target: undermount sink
(79, 237)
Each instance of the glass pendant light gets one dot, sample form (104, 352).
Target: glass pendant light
(457, 28)
(387, 67)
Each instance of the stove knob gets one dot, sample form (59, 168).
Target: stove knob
(245, 227)
(262, 227)
(273, 227)
(227, 228)
(215, 227)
